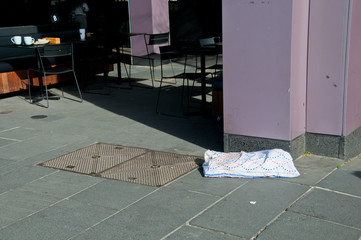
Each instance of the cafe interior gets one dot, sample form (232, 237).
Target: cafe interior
(189, 21)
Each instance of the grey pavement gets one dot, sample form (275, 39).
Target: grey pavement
(44, 203)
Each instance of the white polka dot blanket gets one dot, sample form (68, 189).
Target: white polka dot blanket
(267, 163)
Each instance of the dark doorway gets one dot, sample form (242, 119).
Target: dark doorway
(191, 20)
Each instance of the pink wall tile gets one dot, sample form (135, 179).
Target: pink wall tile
(353, 100)
(257, 68)
(140, 14)
(147, 16)
(299, 67)
(326, 66)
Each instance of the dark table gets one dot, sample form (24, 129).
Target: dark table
(118, 41)
(202, 52)
(123, 36)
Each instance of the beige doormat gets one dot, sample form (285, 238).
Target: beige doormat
(129, 164)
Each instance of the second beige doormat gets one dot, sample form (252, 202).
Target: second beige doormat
(129, 164)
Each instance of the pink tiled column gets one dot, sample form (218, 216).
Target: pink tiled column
(265, 57)
(147, 16)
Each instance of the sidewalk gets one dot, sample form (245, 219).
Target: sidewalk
(44, 203)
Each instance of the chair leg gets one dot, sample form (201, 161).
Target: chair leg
(29, 86)
(150, 68)
(128, 73)
(160, 88)
(182, 93)
(46, 91)
(153, 78)
(188, 94)
(171, 65)
(106, 73)
(77, 85)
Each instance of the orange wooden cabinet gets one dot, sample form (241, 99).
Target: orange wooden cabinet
(18, 80)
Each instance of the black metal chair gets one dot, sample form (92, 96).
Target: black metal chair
(53, 59)
(152, 40)
(168, 53)
(120, 55)
(217, 67)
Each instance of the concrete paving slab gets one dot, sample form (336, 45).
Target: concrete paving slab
(189, 232)
(153, 217)
(127, 117)
(10, 214)
(194, 181)
(19, 133)
(84, 127)
(353, 164)
(251, 207)
(6, 142)
(48, 118)
(61, 184)
(4, 221)
(29, 147)
(61, 221)
(331, 206)
(26, 200)
(7, 166)
(343, 180)
(295, 226)
(20, 176)
(160, 141)
(113, 194)
(16, 205)
(9, 121)
(313, 168)
(44, 156)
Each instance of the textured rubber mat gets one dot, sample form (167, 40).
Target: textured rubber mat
(129, 164)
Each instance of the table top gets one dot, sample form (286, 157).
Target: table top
(214, 45)
(201, 51)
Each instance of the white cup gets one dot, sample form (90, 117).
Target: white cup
(82, 34)
(16, 40)
(29, 40)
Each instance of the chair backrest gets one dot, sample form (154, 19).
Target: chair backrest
(170, 52)
(49, 53)
(158, 38)
(56, 50)
(206, 41)
(155, 39)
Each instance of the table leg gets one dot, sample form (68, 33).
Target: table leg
(40, 75)
(118, 65)
(203, 82)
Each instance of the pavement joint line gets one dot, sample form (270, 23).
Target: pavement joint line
(50, 205)
(299, 198)
(56, 171)
(282, 212)
(335, 191)
(12, 139)
(9, 129)
(202, 193)
(325, 220)
(201, 212)
(214, 231)
(174, 180)
(11, 189)
(325, 176)
(120, 210)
